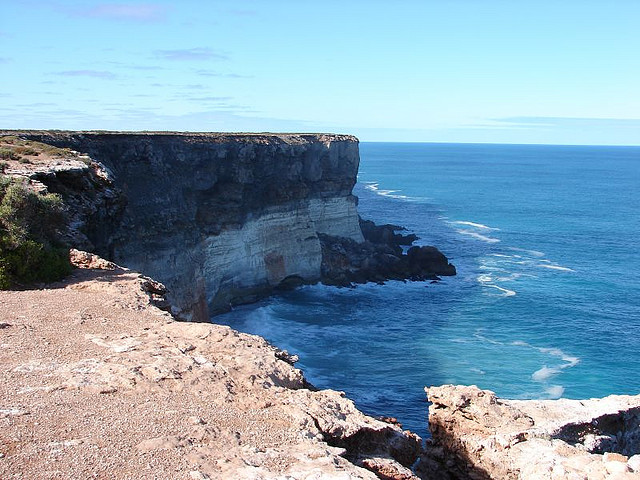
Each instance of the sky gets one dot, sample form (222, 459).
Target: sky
(488, 71)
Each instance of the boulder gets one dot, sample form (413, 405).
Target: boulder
(477, 435)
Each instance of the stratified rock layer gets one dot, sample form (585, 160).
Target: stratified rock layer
(96, 382)
(476, 435)
(221, 219)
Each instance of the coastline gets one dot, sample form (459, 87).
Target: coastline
(133, 351)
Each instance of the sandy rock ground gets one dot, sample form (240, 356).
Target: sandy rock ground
(96, 382)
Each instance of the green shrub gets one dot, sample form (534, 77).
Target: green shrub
(30, 250)
(8, 154)
(25, 150)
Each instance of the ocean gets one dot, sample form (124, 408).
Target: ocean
(546, 303)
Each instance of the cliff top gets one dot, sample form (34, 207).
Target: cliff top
(96, 380)
(211, 136)
(21, 157)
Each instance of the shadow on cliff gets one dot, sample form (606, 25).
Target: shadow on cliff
(441, 463)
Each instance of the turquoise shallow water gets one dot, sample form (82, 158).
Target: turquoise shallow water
(547, 298)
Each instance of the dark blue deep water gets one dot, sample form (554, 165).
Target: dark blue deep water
(546, 303)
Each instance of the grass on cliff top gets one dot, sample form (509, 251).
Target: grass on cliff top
(16, 149)
(30, 249)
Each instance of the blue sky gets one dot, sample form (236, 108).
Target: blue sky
(499, 71)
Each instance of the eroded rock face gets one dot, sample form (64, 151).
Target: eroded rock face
(221, 219)
(479, 436)
(226, 219)
(94, 206)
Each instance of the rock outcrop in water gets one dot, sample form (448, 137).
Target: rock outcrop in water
(380, 257)
(476, 435)
(225, 219)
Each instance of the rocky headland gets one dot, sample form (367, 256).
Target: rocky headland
(222, 219)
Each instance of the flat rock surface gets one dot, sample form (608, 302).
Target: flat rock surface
(96, 382)
(478, 435)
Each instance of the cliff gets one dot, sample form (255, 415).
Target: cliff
(476, 435)
(221, 219)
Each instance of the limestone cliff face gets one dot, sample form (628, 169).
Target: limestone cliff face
(223, 219)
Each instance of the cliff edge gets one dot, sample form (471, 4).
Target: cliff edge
(221, 219)
(99, 382)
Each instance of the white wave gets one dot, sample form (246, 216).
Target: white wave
(474, 224)
(484, 278)
(479, 336)
(507, 292)
(545, 373)
(535, 253)
(500, 255)
(391, 194)
(555, 391)
(509, 278)
(375, 187)
(491, 268)
(570, 360)
(479, 236)
(478, 371)
(556, 267)
(556, 352)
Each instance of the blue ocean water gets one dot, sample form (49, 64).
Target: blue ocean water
(546, 303)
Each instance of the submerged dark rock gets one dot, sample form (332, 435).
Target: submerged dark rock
(380, 257)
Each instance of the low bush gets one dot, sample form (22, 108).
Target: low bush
(8, 154)
(25, 150)
(30, 249)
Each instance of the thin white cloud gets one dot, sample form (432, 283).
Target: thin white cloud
(191, 54)
(145, 67)
(88, 73)
(212, 73)
(136, 12)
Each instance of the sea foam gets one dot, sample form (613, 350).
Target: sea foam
(535, 253)
(555, 391)
(478, 236)
(375, 187)
(556, 267)
(544, 374)
(474, 224)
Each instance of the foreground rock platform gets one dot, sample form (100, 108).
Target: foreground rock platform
(479, 436)
(97, 382)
